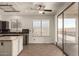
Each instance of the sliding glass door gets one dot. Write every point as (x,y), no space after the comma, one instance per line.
(60,31)
(67,30)
(70,30)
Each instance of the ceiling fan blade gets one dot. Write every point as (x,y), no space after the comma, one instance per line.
(5,5)
(48,10)
(11,11)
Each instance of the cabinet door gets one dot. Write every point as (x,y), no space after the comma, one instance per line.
(1,48)
(14,45)
(5,48)
(17,45)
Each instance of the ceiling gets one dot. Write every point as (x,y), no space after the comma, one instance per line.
(29,7)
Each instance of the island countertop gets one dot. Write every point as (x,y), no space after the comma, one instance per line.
(11,45)
(2,38)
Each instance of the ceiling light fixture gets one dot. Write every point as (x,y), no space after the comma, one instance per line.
(41,12)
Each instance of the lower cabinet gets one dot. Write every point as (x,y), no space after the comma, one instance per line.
(5,48)
(20,43)
(11,46)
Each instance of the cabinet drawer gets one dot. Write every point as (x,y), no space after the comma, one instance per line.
(1,46)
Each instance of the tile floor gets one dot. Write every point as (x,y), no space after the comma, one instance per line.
(41,50)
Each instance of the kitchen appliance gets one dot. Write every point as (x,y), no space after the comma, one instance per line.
(25,37)
(4,26)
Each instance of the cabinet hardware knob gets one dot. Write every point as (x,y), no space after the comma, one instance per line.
(1,43)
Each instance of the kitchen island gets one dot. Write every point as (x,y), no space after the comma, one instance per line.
(11,44)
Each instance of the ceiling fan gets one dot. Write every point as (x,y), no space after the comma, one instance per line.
(41,8)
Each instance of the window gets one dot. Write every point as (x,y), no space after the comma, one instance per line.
(40,27)
(45,27)
(37,27)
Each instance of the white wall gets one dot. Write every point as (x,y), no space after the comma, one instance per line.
(26,21)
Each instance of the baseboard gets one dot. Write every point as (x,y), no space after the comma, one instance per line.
(40,43)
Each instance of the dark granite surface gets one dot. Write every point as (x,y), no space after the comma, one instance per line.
(13,34)
(7,32)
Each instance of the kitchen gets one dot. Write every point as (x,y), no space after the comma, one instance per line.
(38,29)
(16,27)
(11,42)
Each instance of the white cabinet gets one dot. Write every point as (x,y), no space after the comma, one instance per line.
(11,45)
(5,48)
(20,43)
(14,46)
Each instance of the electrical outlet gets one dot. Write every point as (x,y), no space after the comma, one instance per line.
(33,39)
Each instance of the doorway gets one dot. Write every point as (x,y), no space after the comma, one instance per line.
(67,30)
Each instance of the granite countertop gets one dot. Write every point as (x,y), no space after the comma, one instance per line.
(13,34)
(8,38)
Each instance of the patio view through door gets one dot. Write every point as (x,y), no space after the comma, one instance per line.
(67,30)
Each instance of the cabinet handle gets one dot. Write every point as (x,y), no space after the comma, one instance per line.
(2,44)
